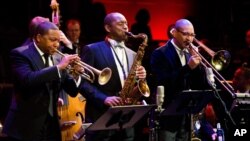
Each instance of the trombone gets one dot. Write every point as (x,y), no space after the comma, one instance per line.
(103,75)
(219,61)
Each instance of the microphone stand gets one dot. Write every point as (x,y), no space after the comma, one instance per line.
(155,124)
(217,95)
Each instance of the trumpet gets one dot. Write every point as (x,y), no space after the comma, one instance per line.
(220,60)
(103,75)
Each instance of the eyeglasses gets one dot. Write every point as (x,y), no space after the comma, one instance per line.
(186,33)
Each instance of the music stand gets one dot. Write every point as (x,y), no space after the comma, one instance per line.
(120,117)
(189,102)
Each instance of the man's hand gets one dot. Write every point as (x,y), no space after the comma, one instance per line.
(76,71)
(140,72)
(79,69)
(68,60)
(113,101)
(194,61)
(65,40)
(60,102)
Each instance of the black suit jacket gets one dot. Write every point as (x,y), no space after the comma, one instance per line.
(168,71)
(76,47)
(99,55)
(32,86)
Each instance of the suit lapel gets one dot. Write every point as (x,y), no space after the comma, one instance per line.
(172,55)
(107,54)
(109,58)
(130,57)
(36,57)
(38,63)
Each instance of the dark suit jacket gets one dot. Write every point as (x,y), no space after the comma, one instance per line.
(77,46)
(33,85)
(99,55)
(169,72)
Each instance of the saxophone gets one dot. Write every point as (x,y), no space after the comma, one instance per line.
(133,89)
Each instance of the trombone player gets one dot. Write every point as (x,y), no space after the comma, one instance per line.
(177,68)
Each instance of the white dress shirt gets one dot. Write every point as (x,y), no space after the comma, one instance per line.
(119,50)
(181,53)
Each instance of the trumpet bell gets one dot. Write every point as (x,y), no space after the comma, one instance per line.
(221,60)
(104,76)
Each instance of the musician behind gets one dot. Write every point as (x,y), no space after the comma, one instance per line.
(39,75)
(241,79)
(241,83)
(238,107)
(73,33)
(111,53)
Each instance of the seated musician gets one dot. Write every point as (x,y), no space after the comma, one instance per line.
(241,79)
(237,110)
(241,84)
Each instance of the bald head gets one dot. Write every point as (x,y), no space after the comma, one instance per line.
(115,24)
(182,23)
(111,17)
(183,33)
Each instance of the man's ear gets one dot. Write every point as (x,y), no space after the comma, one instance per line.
(38,37)
(173,31)
(107,28)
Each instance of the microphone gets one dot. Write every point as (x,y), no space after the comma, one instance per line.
(220,133)
(210,77)
(159,97)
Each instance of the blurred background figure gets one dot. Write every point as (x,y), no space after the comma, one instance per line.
(141,25)
(73,32)
(93,23)
(238,107)
(241,79)
(142,19)
(243,54)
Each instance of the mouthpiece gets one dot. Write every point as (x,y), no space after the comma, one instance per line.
(140,35)
(129,34)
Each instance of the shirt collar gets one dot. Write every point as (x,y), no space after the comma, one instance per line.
(177,48)
(76,42)
(114,43)
(39,51)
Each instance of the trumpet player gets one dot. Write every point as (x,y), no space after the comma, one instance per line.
(112,53)
(66,45)
(177,68)
(39,77)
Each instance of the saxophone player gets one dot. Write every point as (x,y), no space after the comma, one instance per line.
(112,53)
